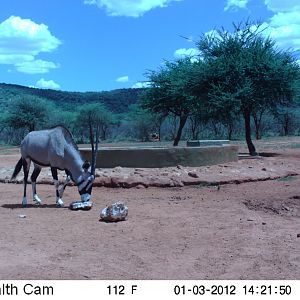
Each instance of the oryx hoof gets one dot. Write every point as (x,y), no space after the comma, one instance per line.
(37,200)
(59,202)
(24,201)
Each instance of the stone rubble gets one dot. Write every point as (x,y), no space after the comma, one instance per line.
(245,170)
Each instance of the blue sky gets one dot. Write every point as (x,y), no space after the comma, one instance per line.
(95,45)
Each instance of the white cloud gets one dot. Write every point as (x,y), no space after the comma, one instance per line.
(122,79)
(36,66)
(129,8)
(21,40)
(182,53)
(47,84)
(140,85)
(282,5)
(213,33)
(11,59)
(285,18)
(235,4)
(284,26)
(287,36)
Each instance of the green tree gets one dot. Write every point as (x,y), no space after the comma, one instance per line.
(3,118)
(257,115)
(29,112)
(91,118)
(62,117)
(246,71)
(97,116)
(169,94)
(286,116)
(142,121)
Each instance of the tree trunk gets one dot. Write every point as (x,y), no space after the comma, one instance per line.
(229,131)
(257,134)
(173,126)
(31,127)
(195,131)
(104,132)
(247,117)
(257,117)
(286,125)
(194,127)
(216,129)
(159,133)
(179,132)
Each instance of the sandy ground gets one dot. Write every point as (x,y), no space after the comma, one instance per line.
(236,231)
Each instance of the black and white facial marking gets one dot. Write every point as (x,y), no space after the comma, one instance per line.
(85,183)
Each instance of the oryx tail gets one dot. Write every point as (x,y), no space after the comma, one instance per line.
(18,168)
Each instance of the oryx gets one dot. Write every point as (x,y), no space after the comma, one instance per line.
(54,148)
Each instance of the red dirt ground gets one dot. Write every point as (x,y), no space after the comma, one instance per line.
(236,231)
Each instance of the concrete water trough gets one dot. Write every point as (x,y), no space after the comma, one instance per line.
(199,143)
(158,157)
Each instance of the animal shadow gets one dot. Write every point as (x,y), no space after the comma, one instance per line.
(18,206)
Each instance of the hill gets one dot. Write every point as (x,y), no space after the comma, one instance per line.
(116,101)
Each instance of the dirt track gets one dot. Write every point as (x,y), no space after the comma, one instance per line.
(244,231)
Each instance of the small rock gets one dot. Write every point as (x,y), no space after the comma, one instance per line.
(193,174)
(285,207)
(117,169)
(264,169)
(180,167)
(177,182)
(263,223)
(22,216)
(114,213)
(140,186)
(250,220)
(298,235)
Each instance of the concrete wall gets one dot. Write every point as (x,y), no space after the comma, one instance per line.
(204,143)
(162,157)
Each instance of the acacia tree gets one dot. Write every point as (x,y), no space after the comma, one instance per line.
(3,118)
(95,116)
(91,117)
(144,122)
(285,116)
(169,95)
(28,112)
(245,70)
(257,116)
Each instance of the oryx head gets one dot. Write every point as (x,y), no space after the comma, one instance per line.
(85,182)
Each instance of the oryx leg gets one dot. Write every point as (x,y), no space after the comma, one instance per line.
(59,191)
(26,166)
(63,187)
(36,172)
(59,201)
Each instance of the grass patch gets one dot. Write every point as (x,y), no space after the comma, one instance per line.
(202,185)
(208,184)
(295,146)
(288,178)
